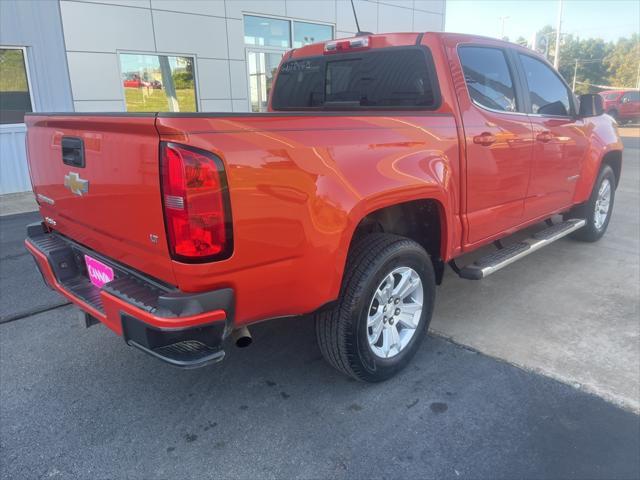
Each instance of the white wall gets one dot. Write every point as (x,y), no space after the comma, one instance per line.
(212,32)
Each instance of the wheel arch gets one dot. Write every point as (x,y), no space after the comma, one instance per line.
(422,220)
(613,158)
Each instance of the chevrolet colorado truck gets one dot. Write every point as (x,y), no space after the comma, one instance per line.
(382,159)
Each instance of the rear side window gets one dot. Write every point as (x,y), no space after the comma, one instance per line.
(387,78)
(547,93)
(488,78)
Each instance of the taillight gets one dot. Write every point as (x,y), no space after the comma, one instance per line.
(196,204)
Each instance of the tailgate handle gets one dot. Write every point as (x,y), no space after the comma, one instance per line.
(73,151)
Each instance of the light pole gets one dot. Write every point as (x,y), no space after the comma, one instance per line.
(575,74)
(556,58)
(502,20)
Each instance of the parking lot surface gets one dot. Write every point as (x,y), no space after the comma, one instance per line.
(79,403)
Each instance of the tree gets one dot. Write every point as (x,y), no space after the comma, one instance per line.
(591,69)
(590,54)
(522,41)
(623,62)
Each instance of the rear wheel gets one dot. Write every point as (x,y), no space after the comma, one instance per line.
(614,114)
(384,310)
(597,210)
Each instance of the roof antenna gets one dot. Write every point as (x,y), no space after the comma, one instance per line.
(355,16)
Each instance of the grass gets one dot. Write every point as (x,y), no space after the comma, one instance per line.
(13,77)
(155,100)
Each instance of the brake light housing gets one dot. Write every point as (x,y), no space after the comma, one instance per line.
(346,45)
(195,200)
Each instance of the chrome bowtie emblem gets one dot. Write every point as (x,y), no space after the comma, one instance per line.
(74,183)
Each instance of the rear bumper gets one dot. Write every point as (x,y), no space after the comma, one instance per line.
(184,329)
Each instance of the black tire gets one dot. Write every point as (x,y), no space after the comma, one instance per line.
(591,232)
(342,329)
(614,114)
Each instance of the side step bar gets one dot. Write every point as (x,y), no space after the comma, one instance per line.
(495,261)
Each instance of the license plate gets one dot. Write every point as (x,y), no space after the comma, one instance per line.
(98,272)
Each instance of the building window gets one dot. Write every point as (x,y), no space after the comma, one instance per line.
(15,95)
(267,32)
(262,68)
(307,33)
(158,83)
(267,39)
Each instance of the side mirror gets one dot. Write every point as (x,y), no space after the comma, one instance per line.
(590,105)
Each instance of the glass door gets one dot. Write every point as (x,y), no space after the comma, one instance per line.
(262,65)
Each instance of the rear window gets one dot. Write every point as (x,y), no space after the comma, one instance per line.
(390,78)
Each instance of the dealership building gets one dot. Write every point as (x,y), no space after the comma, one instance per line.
(157,55)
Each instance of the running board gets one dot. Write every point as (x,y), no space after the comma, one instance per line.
(495,261)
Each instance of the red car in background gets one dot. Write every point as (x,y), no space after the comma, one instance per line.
(623,105)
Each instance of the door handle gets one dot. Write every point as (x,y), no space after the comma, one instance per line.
(544,137)
(485,139)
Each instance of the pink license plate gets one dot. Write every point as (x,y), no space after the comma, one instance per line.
(99,273)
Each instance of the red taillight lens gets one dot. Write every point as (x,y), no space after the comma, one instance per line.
(196,204)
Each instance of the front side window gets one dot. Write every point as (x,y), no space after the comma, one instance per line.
(15,99)
(158,83)
(631,97)
(488,78)
(389,78)
(547,93)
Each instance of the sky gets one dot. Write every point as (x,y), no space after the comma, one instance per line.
(606,19)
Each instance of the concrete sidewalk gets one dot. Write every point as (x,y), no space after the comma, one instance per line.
(13,203)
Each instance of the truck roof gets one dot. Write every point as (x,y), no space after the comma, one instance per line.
(400,39)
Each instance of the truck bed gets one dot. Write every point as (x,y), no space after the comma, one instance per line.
(298,184)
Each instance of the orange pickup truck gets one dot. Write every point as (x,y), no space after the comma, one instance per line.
(383,158)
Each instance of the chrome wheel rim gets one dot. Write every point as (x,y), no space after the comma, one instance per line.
(394,312)
(603,204)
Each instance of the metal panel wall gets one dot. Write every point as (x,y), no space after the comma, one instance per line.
(37,26)
(14,173)
(212,32)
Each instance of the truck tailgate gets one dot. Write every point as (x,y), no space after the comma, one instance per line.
(105,193)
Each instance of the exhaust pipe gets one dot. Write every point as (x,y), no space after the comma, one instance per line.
(241,337)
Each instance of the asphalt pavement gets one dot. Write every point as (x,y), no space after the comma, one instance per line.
(79,403)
